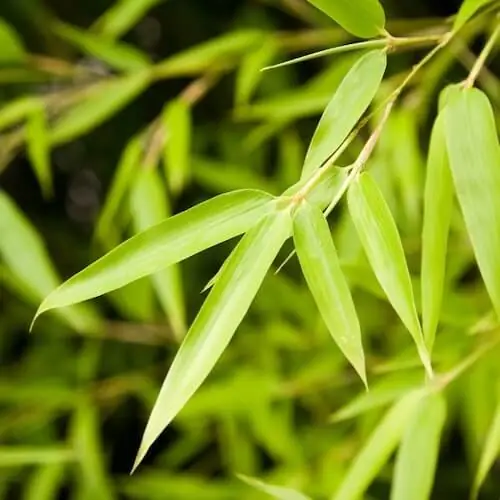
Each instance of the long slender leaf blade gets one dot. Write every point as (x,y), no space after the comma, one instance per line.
(363,18)
(348,104)
(467,10)
(438,203)
(378,448)
(417,456)
(12,47)
(379,236)
(20,456)
(278,492)
(474,154)
(218,319)
(167,243)
(320,264)
(13,112)
(45,483)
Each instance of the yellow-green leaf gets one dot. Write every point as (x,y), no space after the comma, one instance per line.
(274,491)
(474,154)
(321,267)
(418,453)
(21,456)
(348,104)
(11,113)
(167,243)
(45,482)
(467,10)
(380,238)
(12,48)
(363,18)
(218,319)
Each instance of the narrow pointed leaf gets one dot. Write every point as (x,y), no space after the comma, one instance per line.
(467,10)
(218,319)
(417,456)
(12,47)
(363,18)
(21,456)
(167,243)
(46,483)
(474,154)
(15,111)
(320,264)
(350,101)
(438,203)
(378,448)
(380,238)
(104,101)
(278,492)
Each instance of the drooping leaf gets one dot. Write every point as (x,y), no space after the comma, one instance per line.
(321,267)
(20,456)
(167,243)
(104,101)
(218,319)
(13,112)
(177,126)
(417,456)
(149,207)
(278,492)
(363,18)
(117,55)
(467,10)
(38,146)
(438,202)
(474,154)
(12,47)
(380,238)
(348,104)
(378,448)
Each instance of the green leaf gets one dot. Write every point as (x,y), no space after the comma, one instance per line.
(167,243)
(149,207)
(117,55)
(278,492)
(378,448)
(380,238)
(350,101)
(474,154)
(491,451)
(363,18)
(38,147)
(467,10)
(20,456)
(15,111)
(218,319)
(104,100)
(418,453)
(177,125)
(438,203)
(320,264)
(12,47)
(122,16)
(45,483)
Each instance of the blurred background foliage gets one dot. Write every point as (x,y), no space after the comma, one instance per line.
(75,395)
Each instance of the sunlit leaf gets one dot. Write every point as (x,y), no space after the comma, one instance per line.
(104,100)
(438,202)
(218,319)
(167,243)
(348,104)
(15,111)
(380,238)
(177,125)
(418,453)
(20,456)
(12,47)
(320,264)
(46,482)
(378,448)
(278,492)
(363,18)
(474,154)
(467,10)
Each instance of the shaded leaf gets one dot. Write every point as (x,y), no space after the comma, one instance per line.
(417,456)
(12,47)
(320,264)
(474,154)
(467,10)
(218,319)
(380,238)
(348,104)
(278,492)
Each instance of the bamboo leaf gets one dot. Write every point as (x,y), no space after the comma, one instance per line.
(149,207)
(378,448)
(438,203)
(278,492)
(491,451)
(38,147)
(104,101)
(320,264)
(380,238)
(218,319)
(417,456)
(350,101)
(474,154)
(363,18)
(167,243)
(177,126)
(467,10)
(12,47)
